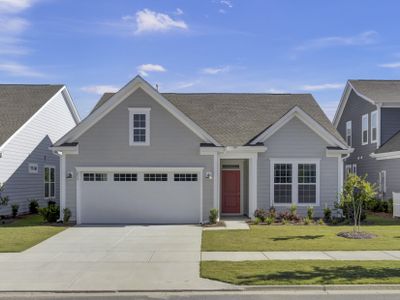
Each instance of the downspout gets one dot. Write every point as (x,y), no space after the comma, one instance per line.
(62,183)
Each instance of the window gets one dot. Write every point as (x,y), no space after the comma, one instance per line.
(382,182)
(94,177)
(49,182)
(155,177)
(283,183)
(348,169)
(185,177)
(364,131)
(139,126)
(33,168)
(354,169)
(307,179)
(125,177)
(295,182)
(349,133)
(374,127)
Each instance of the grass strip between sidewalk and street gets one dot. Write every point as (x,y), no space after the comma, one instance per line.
(305,272)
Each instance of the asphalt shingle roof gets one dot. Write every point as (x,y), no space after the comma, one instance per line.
(19,102)
(378,90)
(393,144)
(234,119)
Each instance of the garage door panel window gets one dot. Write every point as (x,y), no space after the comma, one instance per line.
(49,182)
(94,176)
(155,177)
(185,177)
(125,177)
(295,182)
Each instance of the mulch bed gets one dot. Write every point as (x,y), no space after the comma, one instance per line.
(218,224)
(361,235)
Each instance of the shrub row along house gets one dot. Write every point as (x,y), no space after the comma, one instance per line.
(368,117)
(147,157)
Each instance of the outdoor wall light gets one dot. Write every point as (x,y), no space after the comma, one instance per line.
(69,175)
(209,175)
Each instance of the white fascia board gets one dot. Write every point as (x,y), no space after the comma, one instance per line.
(338,152)
(387,155)
(65,149)
(31,118)
(306,119)
(119,97)
(71,105)
(138,169)
(343,101)
(231,149)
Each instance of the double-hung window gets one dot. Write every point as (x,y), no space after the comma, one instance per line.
(295,182)
(382,182)
(374,126)
(139,126)
(364,129)
(49,182)
(349,133)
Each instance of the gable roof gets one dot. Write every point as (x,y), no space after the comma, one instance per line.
(391,145)
(19,102)
(235,119)
(376,92)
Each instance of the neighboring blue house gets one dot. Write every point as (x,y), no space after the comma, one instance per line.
(32,118)
(368,118)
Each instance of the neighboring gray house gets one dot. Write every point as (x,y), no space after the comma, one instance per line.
(368,117)
(32,118)
(147,157)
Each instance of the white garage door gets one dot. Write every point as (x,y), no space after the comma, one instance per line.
(132,196)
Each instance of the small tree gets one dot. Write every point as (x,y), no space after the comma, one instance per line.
(357,192)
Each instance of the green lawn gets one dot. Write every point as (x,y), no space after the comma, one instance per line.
(303,238)
(302,272)
(25,232)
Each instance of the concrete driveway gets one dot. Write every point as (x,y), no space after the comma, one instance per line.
(110,258)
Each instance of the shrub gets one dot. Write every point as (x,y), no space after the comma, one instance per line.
(213,217)
(327,214)
(310,212)
(288,216)
(51,203)
(272,212)
(67,215)
(285,221)
(33,206)
(293,209)
(390,206)
(50,214)
(261,214)
(256,221)
(307,221)
(14,210)
(321,222)
(269,220)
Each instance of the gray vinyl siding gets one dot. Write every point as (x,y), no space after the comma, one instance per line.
(297,140)
(355,108)
(172,144)
(390,122)
(31,145)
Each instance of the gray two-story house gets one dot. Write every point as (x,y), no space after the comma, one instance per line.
(368,118)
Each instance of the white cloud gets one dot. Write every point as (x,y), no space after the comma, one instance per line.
(227,3)
(275,91)
(393,65)
(14,6)
(178,12)
(330,108)
(13,25)
(150,21)
(17,69)
(145,69)
(364,38)
(100,89)
(216,70)
(321,87)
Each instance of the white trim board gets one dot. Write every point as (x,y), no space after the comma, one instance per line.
(119,97)
(306,119)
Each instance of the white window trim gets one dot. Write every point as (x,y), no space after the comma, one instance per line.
(348,169)
(382,185)
(139,110)
(295,185)
(354,169)
(374,113)
(33,165)
(349,125)
(364,129)
(44,182)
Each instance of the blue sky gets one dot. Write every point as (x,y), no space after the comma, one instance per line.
(94,46)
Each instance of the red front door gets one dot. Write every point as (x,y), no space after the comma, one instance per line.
(230,186)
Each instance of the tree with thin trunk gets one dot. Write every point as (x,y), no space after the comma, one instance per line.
(357,192)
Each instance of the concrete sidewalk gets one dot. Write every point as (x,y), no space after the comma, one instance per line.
(301,255)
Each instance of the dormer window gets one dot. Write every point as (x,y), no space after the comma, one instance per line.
(139,126)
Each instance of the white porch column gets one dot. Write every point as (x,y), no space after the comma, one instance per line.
(253,184)
(216,190)
(62,186)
